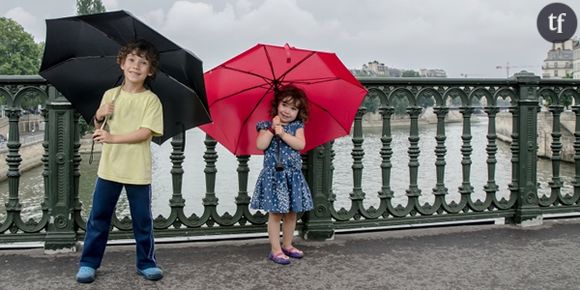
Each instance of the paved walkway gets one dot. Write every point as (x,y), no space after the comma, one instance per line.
(463,257)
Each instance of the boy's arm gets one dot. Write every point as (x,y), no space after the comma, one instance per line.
(106,109)
(136,136)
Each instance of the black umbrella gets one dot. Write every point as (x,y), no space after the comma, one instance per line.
(80,61)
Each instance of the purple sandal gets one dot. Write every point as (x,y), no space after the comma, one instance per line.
(293,252)
(279,258)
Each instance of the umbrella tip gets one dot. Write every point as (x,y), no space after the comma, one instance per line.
(287,49)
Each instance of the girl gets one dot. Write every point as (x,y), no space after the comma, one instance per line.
(281,189)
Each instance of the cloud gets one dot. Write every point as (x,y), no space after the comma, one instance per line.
(29,22)
(460,36)
(217,35)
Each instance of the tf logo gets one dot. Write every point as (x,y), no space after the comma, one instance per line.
(557,22)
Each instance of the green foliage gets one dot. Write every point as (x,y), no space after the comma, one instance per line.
(400,105)
(426,102)
(84,127)
(371,103)
(20,54)
(410,74)
(85,7)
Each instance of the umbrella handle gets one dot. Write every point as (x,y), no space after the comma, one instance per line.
(103,124)
(113,101)
(287,50)
(279,164)
(91,155)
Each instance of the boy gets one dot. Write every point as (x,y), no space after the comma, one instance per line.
(132,114)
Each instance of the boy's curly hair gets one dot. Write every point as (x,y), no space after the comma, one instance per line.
(142,48)
(296,95)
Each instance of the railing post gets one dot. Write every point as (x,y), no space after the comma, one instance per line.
(528,212)
(317,223)
(60,235)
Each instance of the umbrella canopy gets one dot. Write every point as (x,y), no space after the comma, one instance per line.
(80,61)
(240,92)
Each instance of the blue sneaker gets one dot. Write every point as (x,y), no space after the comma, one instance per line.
(152,273)
(86,274)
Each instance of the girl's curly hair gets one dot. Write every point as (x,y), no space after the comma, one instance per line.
(296,95)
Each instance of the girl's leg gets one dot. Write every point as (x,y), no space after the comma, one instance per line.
(104,201)
(274,231)
(288,227)
(139,197)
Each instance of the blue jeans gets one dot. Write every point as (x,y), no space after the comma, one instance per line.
(105,200)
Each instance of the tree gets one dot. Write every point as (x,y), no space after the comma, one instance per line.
(20,54)
(371,104)
(85,7)
(410,73)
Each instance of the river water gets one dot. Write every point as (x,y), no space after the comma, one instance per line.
(32,188)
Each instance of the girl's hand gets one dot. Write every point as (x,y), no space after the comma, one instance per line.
(102,136)
(276,121)
(277,126)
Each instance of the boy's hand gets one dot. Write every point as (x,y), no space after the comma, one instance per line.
(102,136)
(105,110)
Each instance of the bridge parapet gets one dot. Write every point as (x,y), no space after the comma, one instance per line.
(62,223)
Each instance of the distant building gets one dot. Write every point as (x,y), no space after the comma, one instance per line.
(377,69)
(576,61)
(560,59)
(372,69)
(432,73)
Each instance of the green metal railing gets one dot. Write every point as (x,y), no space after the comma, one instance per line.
(62,224)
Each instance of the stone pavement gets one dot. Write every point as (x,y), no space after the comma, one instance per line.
(458,257)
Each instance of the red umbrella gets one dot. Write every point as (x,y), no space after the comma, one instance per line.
(240,91)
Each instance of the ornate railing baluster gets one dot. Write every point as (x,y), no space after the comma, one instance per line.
(466,189)
(243,199)
(13,160)
(556,157)
(177,202)
(491,187)
(413,192)
(210,201)
(386,194)
(576,181)
(357,195)
(440,151)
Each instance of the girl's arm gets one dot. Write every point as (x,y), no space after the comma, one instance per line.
(297,142)
(264,138)
(136,136)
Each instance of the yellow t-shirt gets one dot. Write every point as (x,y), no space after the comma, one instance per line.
(130,163)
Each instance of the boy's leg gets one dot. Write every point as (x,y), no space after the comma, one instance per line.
(139,197)
(104,201)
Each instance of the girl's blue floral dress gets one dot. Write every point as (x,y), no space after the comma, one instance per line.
(282,191)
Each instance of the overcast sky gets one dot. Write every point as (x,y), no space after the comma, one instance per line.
(463,37)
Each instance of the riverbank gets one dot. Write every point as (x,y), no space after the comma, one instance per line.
(31,155)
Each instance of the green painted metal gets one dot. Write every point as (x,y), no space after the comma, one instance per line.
(317,224)
(62,223)
(62,182)
(527,207)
